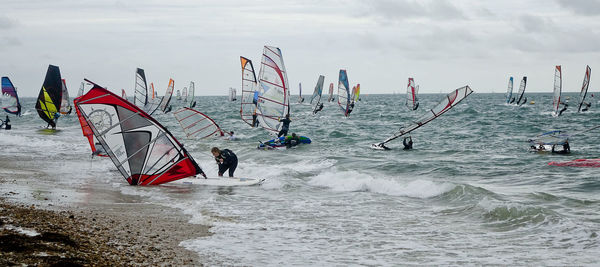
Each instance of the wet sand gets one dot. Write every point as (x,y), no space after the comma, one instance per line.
(109,228)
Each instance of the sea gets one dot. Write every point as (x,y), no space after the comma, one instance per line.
(469,193)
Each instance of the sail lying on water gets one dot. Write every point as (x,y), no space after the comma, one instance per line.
(197,124)
(412,102)
(447,103)
(143,151)
(50,96)
(330,93)
(166,99)
(65,104)
(509,90)
(273,98)
(192,93)
(556,101)
(584,87)
(343,92)
(249,93)
(522,90)
(10,98)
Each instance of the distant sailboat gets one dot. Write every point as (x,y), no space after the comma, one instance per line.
(123,94)
(10,99)
(232,94)
(584,89)
(65,104)
(556,101)
(50,96)
(317,94)
(192,93)
(81,88)
(300,98)
(178,97)
(331,97)
(184,94)
(412,102)
(509,90)
(520,99)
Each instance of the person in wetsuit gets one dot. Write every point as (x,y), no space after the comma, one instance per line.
(564,108)
(7,125)
(586,106)
(285,127)
(408,143)
(292,141)
(226,159)
(319,108)
(350,108)
(566,148)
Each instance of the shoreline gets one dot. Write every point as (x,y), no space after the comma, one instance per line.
(44,223)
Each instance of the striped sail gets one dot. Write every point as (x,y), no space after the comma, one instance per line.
(557,90)
(140,94)
(196,124)
(273,98)
(411,95)
(343,92)
(166,99)
(49,98)
(249,85)
(584,87)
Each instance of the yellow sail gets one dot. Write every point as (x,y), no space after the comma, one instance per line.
(47,105)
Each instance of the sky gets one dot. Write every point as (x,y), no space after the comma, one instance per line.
(442,44)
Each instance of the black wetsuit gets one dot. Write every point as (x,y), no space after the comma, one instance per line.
(230,161)
(566,149)
(350,108)
(7,124)
(285,127)
(563,109)
(318,108)
(292,141)
(407,145)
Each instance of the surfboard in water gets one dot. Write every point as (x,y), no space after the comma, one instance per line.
(249,93)
(584,87)
(509,90)
(143,151)
(557,91)
(166,99)
(192,93)
(330,98)
(196,124)
(447,103)
(50,96)
(412,102)
(10,98)
(343,92)
(273,97)
(521,90)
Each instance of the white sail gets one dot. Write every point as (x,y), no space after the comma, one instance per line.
(330,98)
(184,94)
(509,90)
(447,103)
(65,104)
(80,92)
(557,90)
(232,94)
(584,87)
(317,93)
(249,93)
(140,95)
(166,99)
(192,94)
(273,99)
(196,124)
(412,102)
(521,89)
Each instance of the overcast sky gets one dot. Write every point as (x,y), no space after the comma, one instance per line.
(442,44)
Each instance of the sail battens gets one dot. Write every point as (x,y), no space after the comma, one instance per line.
(10,98)
(556,101)
(197,124)
(50,96)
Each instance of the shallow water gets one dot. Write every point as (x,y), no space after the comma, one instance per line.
(468,193)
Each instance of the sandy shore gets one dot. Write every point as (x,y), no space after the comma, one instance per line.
(109,228)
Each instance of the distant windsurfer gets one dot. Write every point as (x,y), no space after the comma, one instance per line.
(226,159)
(586,106)
(565,105)
(70,109)
(512,100)
(169,108)
(523,102)
(408,143)
(100,151)
(350,108)
(193,104)
(319,108)
(285,125)
(7,125)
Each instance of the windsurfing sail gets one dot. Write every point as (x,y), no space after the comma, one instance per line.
(412,102)
(192,93)
(273,98)
(509,90)
(357,94)
(81,88)
(153,93)
(447,103)
(318,90)
(140,95)
(197,124)
(343,92)
(49,99)
(550,138)
(184,94)
(164,102)
(249,85)
(178,94)
(557,90)
(521,89)
(65,105)
(330,93)
(300,98)
(584,87)
(232,94)
(143,151)
(10,99)
(87,131)
(123,94)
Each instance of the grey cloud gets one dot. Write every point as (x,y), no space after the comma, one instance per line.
(390,10)
(582,7)
(6,23)
(10,41)
(535,24)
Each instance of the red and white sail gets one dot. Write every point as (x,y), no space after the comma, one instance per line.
(556,101)
(196,124)
(249,93)
(584,87)
(273,97)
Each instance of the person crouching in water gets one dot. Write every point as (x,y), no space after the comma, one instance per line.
(226,160)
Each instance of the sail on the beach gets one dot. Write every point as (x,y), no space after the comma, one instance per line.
(557,91)
(447,103)
(584,87)
(521,89)
(509,90)
(143,151)
(273,98)
(10,98)
(249,93)
(197,124)
(412,102)
(65,104)
(343,92)
(50,96)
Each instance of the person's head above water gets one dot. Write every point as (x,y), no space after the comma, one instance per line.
(215,151)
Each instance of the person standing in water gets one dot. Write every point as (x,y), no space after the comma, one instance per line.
(285,127)
(226,160)
(7,125)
